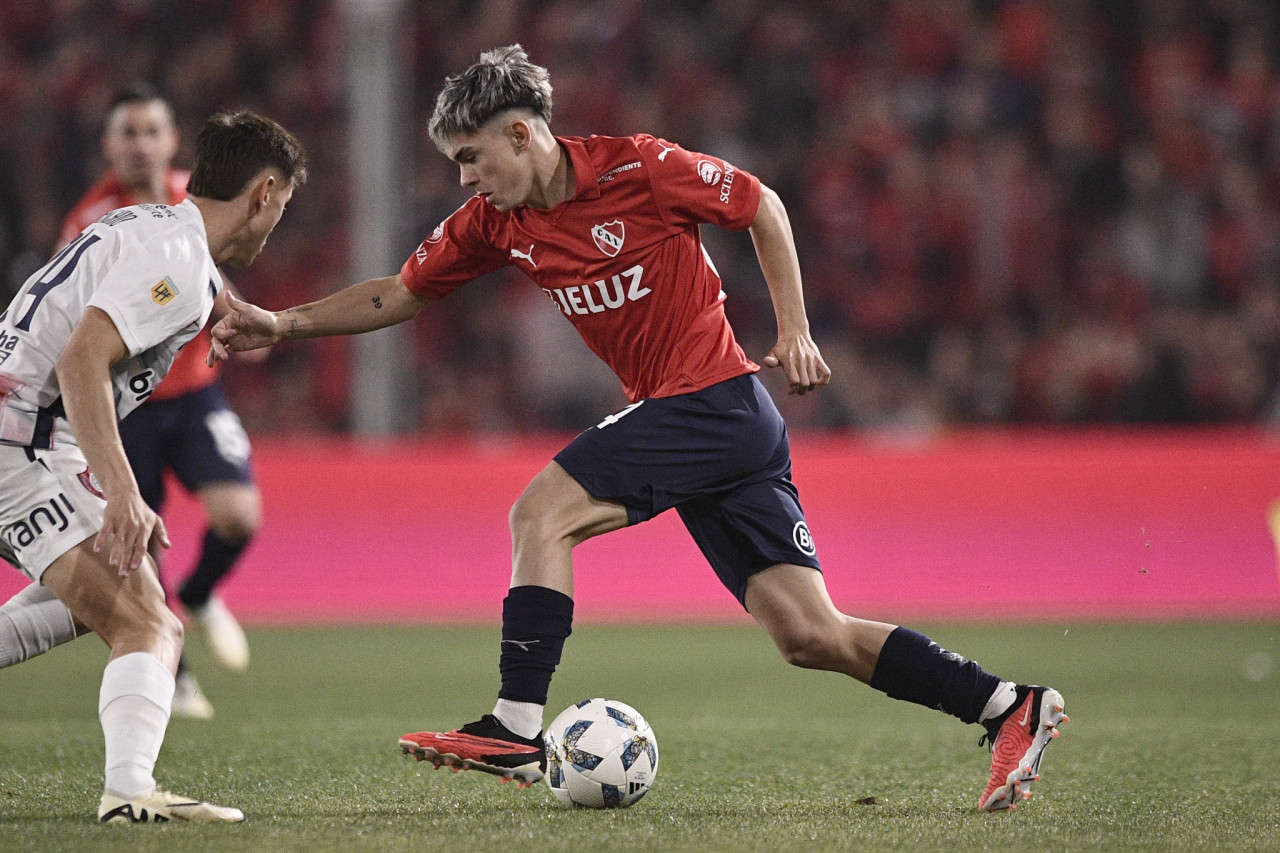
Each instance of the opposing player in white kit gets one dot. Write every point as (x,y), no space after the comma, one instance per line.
(84,342)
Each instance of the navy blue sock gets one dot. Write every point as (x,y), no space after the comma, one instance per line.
(535,623)
(217,556)
(915,669)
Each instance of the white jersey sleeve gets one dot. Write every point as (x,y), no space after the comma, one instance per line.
(142,295)
(148,268)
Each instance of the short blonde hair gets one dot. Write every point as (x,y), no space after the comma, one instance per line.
(502,80)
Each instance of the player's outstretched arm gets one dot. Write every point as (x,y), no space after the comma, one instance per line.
(795,352)
(84,377)
(362,307)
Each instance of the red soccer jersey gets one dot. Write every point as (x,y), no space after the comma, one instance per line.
(189,372)
(622,259)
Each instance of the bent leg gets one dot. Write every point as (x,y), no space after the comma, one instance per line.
(234,510)
(553,515)
(792,604)
(145,637)
(128,613)
(235,515)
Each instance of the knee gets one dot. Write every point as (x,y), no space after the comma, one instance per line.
(148,622)
(527,518)
(235,512)
(808,647)
(236,529)
(169,628)
(160,622)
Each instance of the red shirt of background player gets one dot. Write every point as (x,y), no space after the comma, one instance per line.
(622,259)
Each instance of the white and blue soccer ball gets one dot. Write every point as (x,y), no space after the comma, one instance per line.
(601,754)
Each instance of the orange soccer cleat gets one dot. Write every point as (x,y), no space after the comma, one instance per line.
(1018,740)
(485,745)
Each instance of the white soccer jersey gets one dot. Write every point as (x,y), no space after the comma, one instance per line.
(148,267)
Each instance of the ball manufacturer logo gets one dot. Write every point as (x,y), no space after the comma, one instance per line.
(709,172)
(804,541)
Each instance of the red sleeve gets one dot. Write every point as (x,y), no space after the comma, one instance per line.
(69,231)
(697,188)
(455,253)
(78,219)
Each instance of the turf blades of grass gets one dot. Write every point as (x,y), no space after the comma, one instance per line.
(1171,746)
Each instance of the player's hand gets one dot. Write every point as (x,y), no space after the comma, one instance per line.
(244,327)
(128,526)
(800,359)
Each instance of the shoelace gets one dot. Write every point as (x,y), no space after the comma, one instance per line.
(988,738)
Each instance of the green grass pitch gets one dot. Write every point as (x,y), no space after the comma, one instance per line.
(1173,744)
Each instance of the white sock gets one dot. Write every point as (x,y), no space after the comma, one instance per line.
(1001,700)
(137,692)
(523,718)
(31,623)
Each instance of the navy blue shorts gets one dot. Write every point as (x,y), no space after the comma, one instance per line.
(196,435)
(720,456)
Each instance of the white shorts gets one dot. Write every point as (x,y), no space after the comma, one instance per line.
(49,504)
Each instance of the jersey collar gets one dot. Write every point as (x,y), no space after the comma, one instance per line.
(584,172)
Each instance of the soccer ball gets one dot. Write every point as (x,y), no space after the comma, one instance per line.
(600,754)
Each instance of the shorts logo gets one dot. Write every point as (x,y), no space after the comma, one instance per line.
(90,482)
(609,237)
(52,515)
(804,541)
(709,172)
(164,291)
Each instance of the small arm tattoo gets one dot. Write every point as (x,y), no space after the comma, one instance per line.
(377,302)
(293,320)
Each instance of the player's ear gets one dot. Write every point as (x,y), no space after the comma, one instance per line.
(520,134)
(260,190)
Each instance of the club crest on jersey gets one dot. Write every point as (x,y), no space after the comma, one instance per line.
(609,237)
(437,234)
(164,291)
(90,482)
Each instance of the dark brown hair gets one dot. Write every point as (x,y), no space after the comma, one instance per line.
(233,147)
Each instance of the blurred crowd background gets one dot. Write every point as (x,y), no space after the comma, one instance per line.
(1026,212)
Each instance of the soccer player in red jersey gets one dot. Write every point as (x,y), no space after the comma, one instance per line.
(187,425)
(608,228)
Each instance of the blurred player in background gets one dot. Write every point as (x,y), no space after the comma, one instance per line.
(187,426)
(608,227)
(85,341)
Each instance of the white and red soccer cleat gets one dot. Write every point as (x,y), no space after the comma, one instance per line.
(1018,740)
